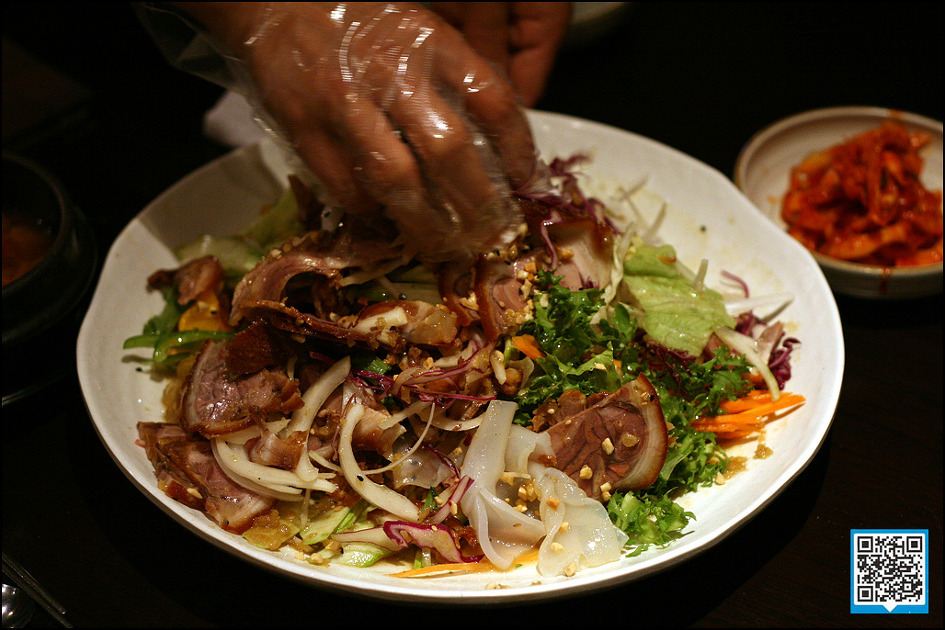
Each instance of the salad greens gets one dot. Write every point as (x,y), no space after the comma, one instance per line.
(657,323)
(676,311)
(160,332)
(601,356)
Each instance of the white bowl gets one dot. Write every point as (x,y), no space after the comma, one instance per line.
(763,170)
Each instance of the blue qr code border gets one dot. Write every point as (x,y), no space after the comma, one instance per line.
(878,608)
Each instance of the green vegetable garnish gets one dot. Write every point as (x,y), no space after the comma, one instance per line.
(160,333)
(603,356)
(674,312)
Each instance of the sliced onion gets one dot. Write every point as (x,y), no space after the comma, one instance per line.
(748,347)
(245,435)
(497,361)
(265,479)
(313,399)
(459,489)
(405,456)
(776,301)
(737,280)
(376,494)
(649,236)
(698,282)
(437,537)
(316,395)
(396,535)
(400,416)
(371,535)
(319,458)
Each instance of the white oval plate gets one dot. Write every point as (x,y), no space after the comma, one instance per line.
(708,218)
(763,171)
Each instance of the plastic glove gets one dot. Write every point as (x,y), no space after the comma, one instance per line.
(391,110)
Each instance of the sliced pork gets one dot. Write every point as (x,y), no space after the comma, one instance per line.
(328,257)
(617,442)
(215,400)
(193,278)
(187,471)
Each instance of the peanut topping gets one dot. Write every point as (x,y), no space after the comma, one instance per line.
(629,439)
(607,446)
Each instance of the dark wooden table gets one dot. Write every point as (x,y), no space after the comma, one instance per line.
(118,126)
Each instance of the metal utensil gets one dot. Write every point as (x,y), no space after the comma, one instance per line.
(32,590)
(17,607)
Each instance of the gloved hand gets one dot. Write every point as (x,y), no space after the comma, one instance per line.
(390,109)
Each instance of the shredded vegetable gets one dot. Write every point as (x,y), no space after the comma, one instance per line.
(863,200)
(747,415)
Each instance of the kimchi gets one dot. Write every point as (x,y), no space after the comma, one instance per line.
(863,200)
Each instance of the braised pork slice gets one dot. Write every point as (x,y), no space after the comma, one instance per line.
(393,324)
(215,400)
(326,257)
(617,442)
(271,450)
(188,472)
(192,278)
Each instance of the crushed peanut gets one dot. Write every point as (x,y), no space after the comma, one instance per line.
(607,446)
(605,491)
(586,472)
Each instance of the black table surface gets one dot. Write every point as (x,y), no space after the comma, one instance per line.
(118,126)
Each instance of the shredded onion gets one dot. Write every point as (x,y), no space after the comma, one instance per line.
(400,416)
(698,282)
(316,395)
(319,458)
(313,399)
(777,301)
(459,489)
(238,467)
(245,435)
(747,347)
(411,451)
(376,494)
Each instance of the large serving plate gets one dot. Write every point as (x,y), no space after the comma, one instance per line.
(707,217)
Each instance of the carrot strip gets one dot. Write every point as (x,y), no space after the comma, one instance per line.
(527,345)
(759,406)
(452,567)
(751,400)
(746,415)
(465,567)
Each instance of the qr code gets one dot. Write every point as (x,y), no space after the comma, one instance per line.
(889,570)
